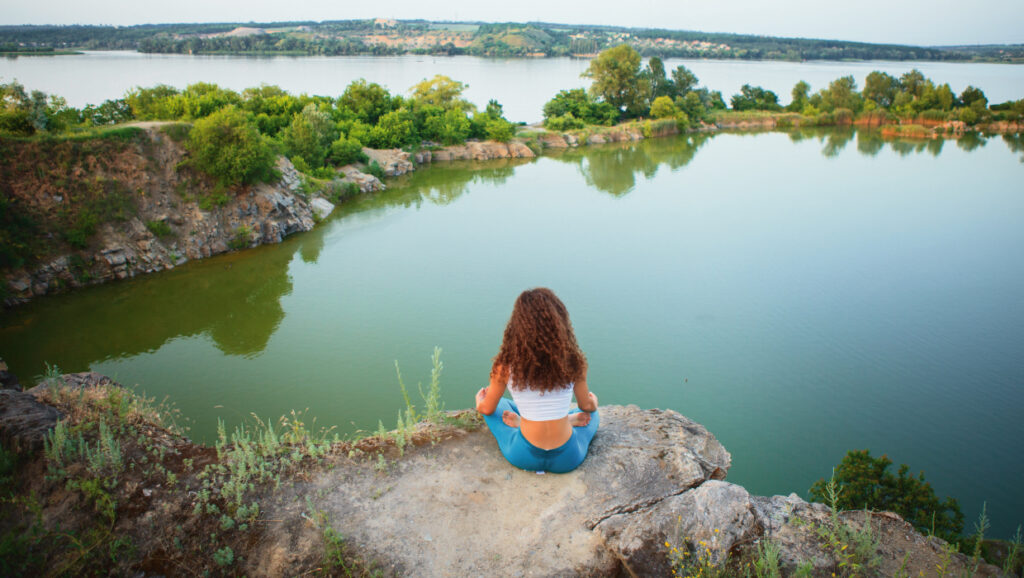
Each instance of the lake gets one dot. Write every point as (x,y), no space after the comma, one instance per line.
(521,85)
(800,294)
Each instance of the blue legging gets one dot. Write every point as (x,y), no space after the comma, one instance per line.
(523,454)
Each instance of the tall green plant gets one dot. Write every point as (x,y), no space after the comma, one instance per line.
(865,482)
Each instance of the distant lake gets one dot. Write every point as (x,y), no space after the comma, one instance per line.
(800,294)
(521,85)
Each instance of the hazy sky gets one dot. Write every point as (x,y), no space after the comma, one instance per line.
(924,22)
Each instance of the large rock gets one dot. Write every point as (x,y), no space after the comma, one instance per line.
(24,422)
(458,508)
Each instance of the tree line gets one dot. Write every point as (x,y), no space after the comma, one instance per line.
(236,136)
(624,89)
(501,39)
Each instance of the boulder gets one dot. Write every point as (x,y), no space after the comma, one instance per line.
(439,510)
(24,422)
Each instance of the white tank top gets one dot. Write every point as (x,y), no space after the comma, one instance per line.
(542,405)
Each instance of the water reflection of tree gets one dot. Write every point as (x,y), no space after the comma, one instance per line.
(442,184)
(234,299)
(971,141)
(1015,142)
(613,168)
(870,141)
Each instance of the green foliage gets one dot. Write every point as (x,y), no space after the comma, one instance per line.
(395,129)
(159,228)
(94,202)
(576,108)
(310,135)
(368,101)
(227,146)
(755,98)
(178,131)
(447,127)
(443,92)
(224,556)
(865,482)
(375,169)
(241,238)
(663,107)
(345,151)
(19,234)
(615,73)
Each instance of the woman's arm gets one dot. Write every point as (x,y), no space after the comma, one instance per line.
(488,397)
(585,399)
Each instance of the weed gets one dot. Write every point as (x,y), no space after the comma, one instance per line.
(375,169)
(1010,564)
(241,239)
(766,565)
(979,537)
(853,550)
(224,557)
(159,228)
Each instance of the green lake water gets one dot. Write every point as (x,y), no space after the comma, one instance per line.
(800,294)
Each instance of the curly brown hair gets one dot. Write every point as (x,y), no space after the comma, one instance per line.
(539,350)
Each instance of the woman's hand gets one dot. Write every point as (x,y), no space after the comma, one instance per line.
(593,401)
(480,396)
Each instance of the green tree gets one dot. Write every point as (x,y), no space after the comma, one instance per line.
(842,93)
(799,97)
(972,95)
(658,83)
(663,107)
(310,135)
(228,147)
(442,91)
(616,73)
(865,482)
(692,105)
(755,98)
(581,106)
(367,100)
(683,80)
(346,150)
(395,129)
(881,88)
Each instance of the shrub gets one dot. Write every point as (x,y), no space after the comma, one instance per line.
(663,107)
(565,122)
(226,146)
(347,150)
(865,482)
(499,130)
(159,228)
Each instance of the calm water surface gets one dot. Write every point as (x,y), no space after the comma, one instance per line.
(799,294)
(521,85)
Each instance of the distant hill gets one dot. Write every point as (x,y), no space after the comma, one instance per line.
(531,39)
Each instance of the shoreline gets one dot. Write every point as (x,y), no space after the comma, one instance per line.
(269,213)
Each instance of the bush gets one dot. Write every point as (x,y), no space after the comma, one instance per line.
(663,107)
(865,482)
(499,130)
(159,228)
(346,150)
(565,122)
(226,146)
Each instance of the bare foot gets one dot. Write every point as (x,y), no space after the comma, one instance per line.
(510,418)
(579,419)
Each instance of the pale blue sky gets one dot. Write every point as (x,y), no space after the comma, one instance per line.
(921,22)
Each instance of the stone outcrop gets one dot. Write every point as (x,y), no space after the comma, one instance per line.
(263,213)
(24,421)
(476,151)
(452,505)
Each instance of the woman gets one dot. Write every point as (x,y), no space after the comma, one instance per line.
(542,367)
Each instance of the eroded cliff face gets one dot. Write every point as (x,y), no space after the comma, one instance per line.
(107,211)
